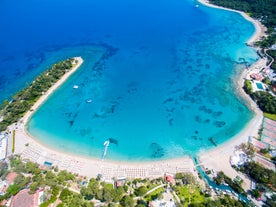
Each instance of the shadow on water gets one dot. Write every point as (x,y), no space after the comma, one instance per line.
(113,141)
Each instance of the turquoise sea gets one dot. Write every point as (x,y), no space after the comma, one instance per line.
(158,74)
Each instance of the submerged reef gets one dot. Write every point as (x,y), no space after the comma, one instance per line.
(156,150)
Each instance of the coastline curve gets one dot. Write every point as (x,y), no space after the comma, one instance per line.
(95,166)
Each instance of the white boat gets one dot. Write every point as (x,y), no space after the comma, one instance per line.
(75,86)
(88,101)
(197,6)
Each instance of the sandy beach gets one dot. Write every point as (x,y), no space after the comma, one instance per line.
(30,149)
(217,158)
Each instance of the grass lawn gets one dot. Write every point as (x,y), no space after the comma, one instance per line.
(189,193)
(270,116)
(154,194)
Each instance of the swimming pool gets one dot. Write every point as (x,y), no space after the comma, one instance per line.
(260,86)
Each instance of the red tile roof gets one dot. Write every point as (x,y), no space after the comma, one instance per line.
(118,183)
(169,178)
(11,177)
(24,199)
(3,202)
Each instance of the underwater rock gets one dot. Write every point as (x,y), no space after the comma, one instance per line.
(69,114)
(198,119)
(205,109)
(194,137)
(201,108)
(132,87)
(75,115)
(99,115)
(168,100)
(132,90)
(219,124)
(112,109)
(170,110)
(240,109)
(157,150)
(71,123)
(171,121)
(217,114)
(208,111)
(84,132)
(211,139)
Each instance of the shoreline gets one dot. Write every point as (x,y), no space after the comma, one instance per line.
(30,148)
(219,157)
(259,28)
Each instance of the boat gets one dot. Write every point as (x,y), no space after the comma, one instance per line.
(106,144)
(197,6)
(75,86)
(88,101)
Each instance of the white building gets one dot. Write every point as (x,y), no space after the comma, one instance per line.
(3,187)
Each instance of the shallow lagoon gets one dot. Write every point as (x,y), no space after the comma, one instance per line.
(159,74)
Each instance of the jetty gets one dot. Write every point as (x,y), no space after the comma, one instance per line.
(106,144)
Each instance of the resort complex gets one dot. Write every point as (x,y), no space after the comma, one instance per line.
(234,166)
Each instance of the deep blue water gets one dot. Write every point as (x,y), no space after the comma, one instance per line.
(159,73)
